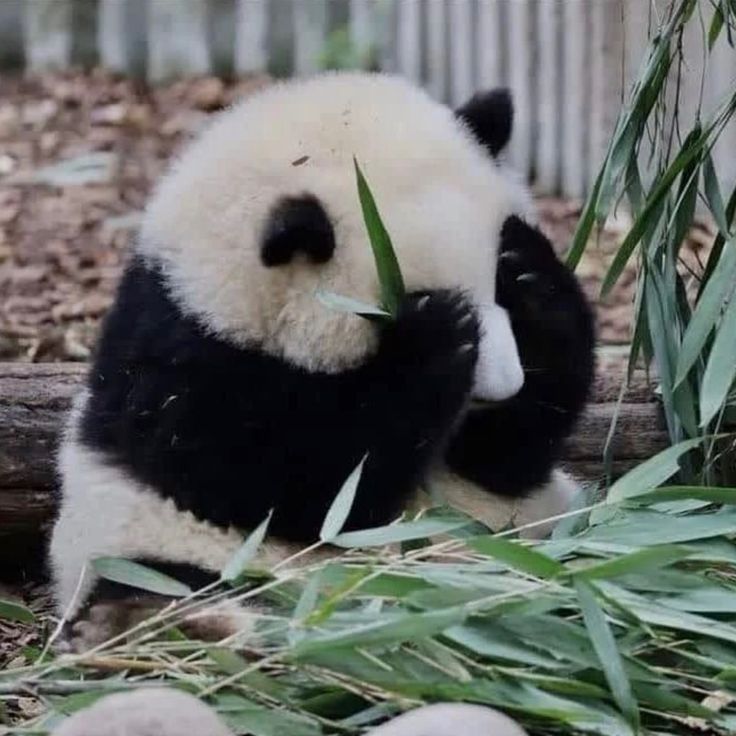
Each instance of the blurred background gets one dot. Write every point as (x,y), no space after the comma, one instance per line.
(96,95)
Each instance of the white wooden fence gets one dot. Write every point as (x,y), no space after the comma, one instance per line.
(567,61)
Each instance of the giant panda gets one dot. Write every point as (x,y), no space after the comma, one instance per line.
(223,388)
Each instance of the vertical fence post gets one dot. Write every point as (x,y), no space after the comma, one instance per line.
(48,34)
(112,34)
(11,33)
(310,35)
(177,38)
(573,111)
(606,68)
(461,51)
(488,42)
(549,97)
(251,32)
(437,49)
(519,35)
(409,49)
(362,29)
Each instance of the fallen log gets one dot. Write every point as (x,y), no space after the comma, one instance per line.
(34,399)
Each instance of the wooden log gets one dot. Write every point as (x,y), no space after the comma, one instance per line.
(34,399)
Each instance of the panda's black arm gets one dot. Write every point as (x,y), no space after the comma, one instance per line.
(229,433)
(510,448)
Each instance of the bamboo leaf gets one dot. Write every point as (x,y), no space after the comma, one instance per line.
(389,273)
(691,148)
(387,630)
(401,532)
(707,312)
(609,656)
(651,558)
(238,562)
(716,25)
(714,258)
(703,493)
(720,372)
(713,195)
(518,556)
(12,611)
(340,303)
(339,511)
(651,473)
(135,575)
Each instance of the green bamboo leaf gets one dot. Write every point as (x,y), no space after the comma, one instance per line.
(720,371)
(642,560)
(691,149)
(340,303)
(401,532)
(244,716)
(12,611)
(714,258)
(127,572)
(584,227)
(339,511)
(716,25)
(237,564)
(703,493)
(639,528)
(707,312)
(389,273)
(713,195)
(490,640)
(651,473)
(656,614)
(518,556)
(609,656)
(391,629)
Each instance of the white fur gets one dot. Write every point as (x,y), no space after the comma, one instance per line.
(145,712)
(443,200)
(499,374)
(104,512)
(501,512)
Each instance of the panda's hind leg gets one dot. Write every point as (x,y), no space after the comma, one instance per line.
(117,612)
(537,513)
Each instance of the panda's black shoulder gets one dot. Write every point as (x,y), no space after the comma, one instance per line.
(146,323)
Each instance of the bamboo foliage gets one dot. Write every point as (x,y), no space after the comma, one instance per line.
(663,166)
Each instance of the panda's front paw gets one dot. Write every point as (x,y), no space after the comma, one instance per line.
(438,331)
(530,276)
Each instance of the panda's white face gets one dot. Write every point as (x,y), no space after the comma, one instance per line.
(441,195)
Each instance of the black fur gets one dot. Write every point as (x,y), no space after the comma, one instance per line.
(297,225)
(511,447)
(490,116)
(229,433)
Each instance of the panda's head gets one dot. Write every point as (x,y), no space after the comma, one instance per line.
(262,210)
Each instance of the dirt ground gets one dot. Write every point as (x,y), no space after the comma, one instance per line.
(78,156)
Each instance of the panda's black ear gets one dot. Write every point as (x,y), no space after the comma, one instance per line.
(490,117)
(297,225)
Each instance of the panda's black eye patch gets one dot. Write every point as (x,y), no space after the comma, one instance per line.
(297,225)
